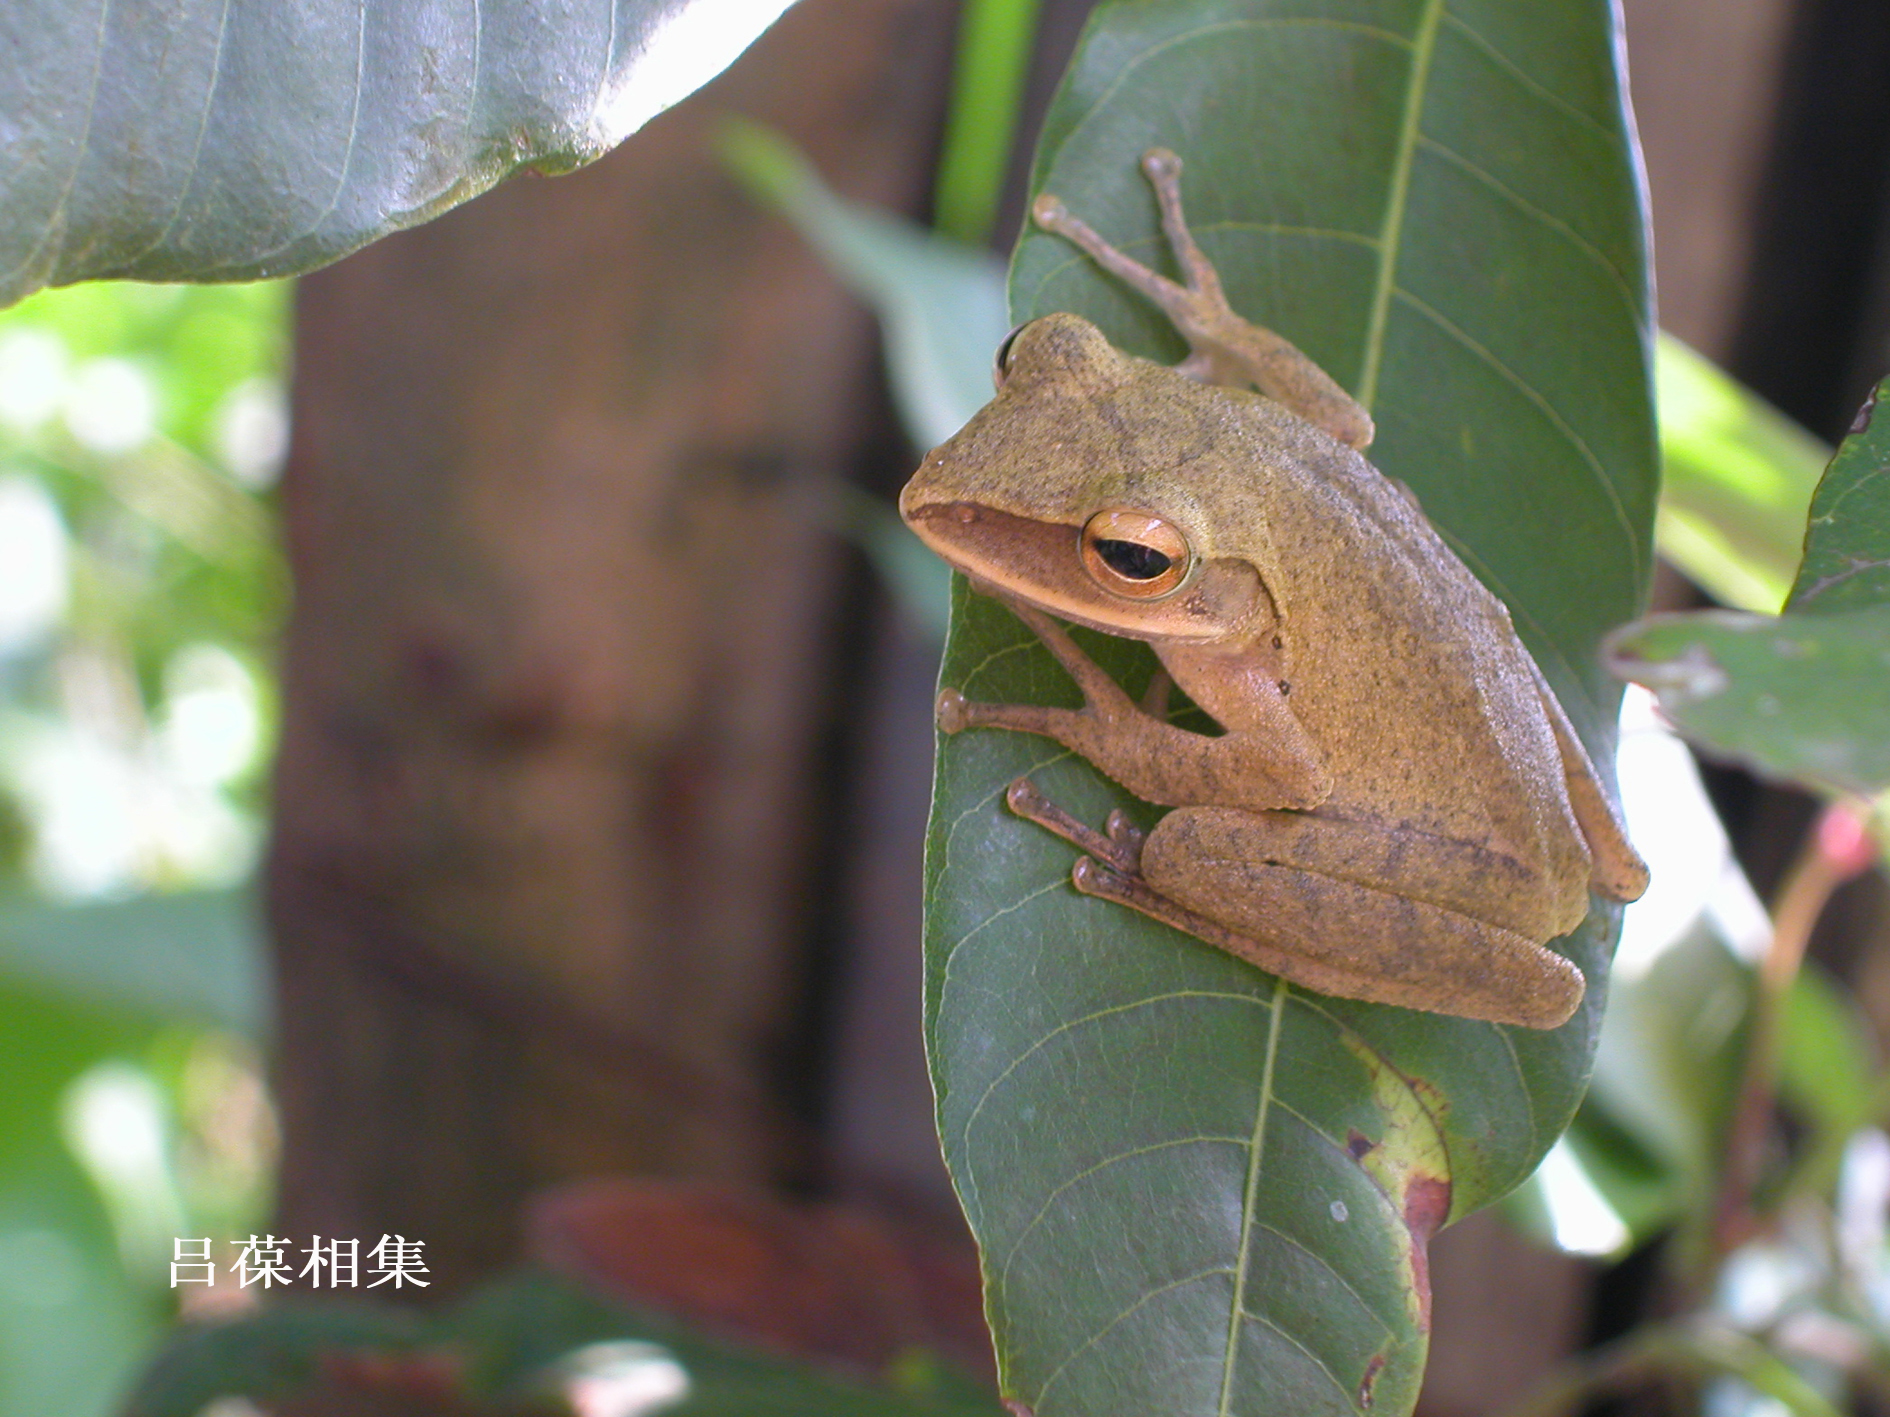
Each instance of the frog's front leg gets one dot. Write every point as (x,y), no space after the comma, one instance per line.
(1227,349)
(1151,757)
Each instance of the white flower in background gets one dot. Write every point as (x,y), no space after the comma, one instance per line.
(111,405)
(252,432)
(211,724)
(110,816)
(32,377)
(33,571)
(81,796)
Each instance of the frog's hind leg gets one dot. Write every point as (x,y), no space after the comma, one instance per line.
(1459,966)
(1106,882)
(1227,349)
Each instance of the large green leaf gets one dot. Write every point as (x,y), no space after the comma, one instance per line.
(229,139)
(1804,695)
(1197,1190)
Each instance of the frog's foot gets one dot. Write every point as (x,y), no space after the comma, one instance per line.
(1226,348)
(1119,843)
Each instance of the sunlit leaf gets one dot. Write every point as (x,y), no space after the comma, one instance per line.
(1847,541)
(1804,695)
(1737,477)
(230,139)
(1197,1191)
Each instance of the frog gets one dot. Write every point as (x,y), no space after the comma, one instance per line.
(1389,803)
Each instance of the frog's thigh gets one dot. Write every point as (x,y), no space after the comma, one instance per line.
(1260,875)
(1459,876)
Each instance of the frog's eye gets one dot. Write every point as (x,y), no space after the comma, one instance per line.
(1136,554)
(1000,362)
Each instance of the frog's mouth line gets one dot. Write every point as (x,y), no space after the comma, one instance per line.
(1040,562)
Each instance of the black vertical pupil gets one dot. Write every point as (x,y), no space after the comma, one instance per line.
(1132,559)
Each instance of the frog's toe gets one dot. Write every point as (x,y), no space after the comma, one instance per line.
(951,711)
(1160,163)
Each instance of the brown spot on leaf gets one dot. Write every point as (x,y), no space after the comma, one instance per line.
(1426,1208)
(1426,1205)
(1358,1143)
(1366,1383)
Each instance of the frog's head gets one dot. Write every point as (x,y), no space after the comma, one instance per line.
(1075,489)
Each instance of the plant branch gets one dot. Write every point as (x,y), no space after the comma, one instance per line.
(1837,848)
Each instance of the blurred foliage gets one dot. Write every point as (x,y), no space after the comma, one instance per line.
(1737,477)
(529,1345)
(141,589)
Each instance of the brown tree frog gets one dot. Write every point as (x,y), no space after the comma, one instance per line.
(1396,808)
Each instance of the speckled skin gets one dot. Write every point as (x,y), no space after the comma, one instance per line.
(1398,810)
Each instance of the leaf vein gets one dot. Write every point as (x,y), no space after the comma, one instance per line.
(1103,1332)
(1391,235)
(1083,1175)
(1528,81)
(196,149)
(1548,411)
(1250,1200)
(347,152)
(1544,218)
(58,212)
(1318,1362)
(1331,1269)
(1070,1025)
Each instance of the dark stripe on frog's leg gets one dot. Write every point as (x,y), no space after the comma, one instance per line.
(1460,876)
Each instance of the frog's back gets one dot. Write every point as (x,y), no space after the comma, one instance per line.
(1404,668)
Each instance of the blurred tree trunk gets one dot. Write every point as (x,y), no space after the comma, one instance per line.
(546,808)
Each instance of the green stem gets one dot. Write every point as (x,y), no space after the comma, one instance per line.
(1807,887)
(995,38)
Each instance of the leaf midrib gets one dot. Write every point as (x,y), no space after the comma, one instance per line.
(1249,1200)
(1423,44)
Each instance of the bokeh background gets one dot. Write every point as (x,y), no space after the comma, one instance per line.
(564,819)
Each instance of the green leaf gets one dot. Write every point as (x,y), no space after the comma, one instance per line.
(1737,478)
(1804,695)
(1827,1063)
(1847,542)
(519,1346)
(230,139)
(1198,1191)
(194,956)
